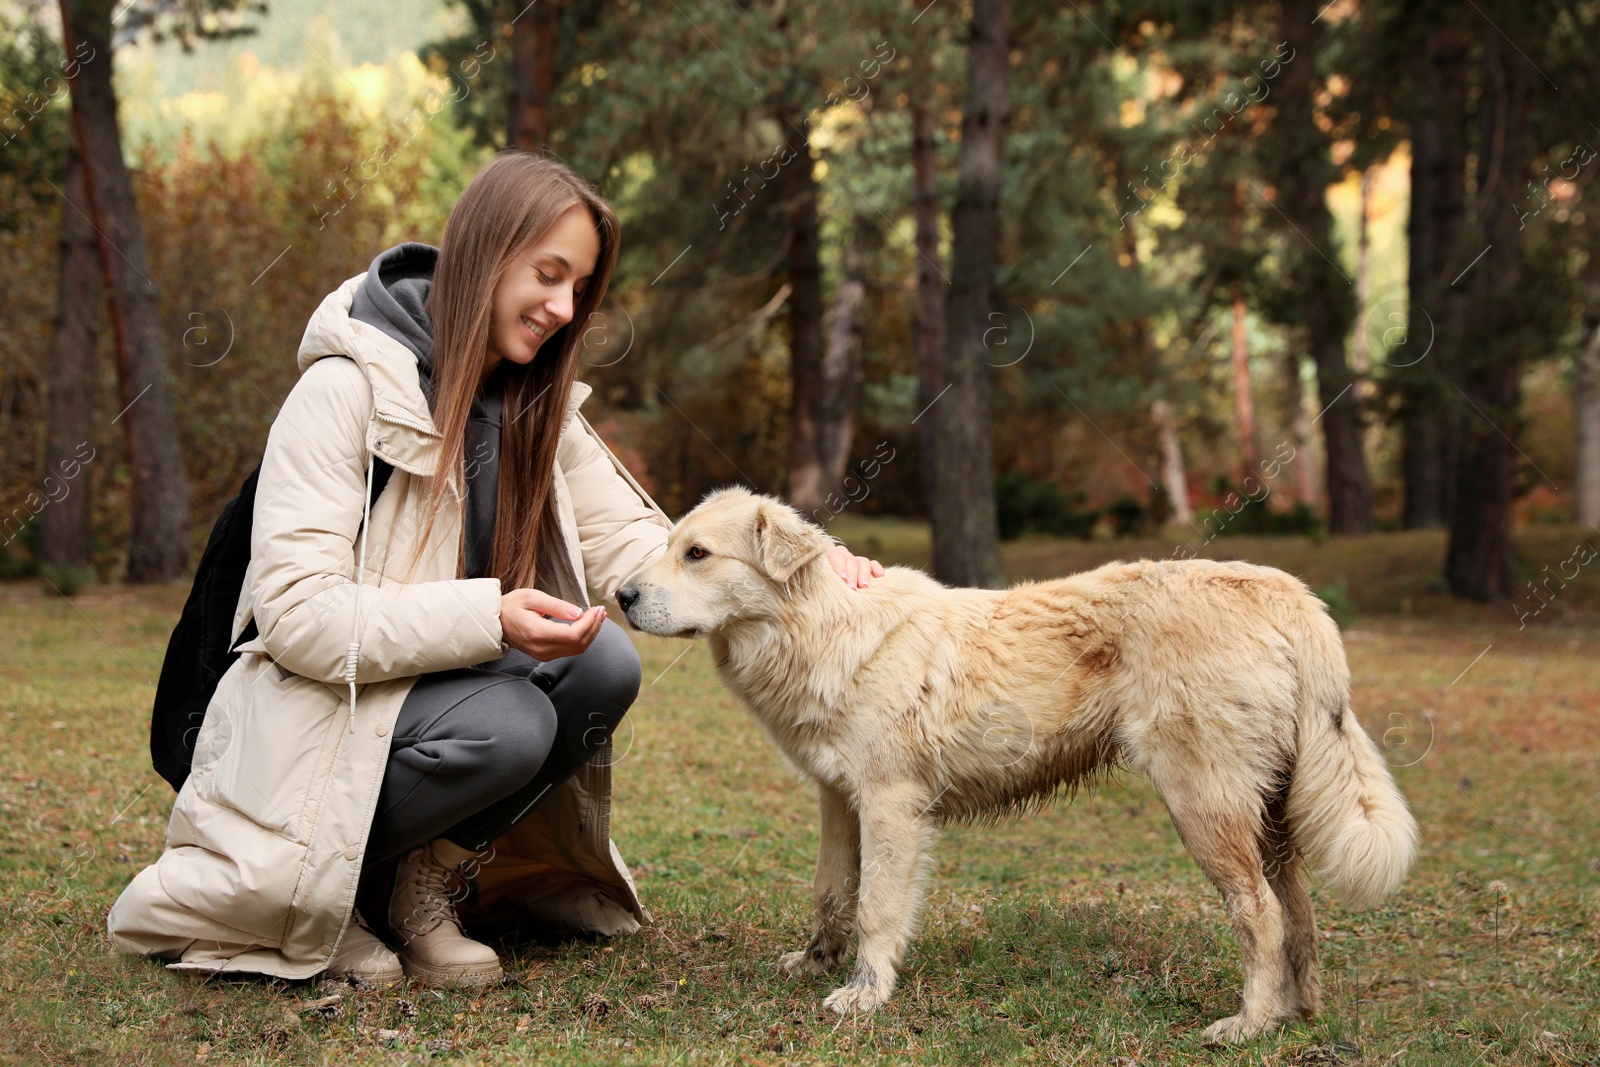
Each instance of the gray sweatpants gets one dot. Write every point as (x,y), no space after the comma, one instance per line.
(475,749)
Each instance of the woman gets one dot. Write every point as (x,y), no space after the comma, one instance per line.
(429,688)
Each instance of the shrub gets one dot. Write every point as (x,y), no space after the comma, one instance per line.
(68,581)
(1257,519)
(1127,516)
(19,555)
(1024,504)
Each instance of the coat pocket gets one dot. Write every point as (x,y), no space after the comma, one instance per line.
(281,731)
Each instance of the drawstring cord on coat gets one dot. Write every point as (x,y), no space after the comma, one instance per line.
(352,652)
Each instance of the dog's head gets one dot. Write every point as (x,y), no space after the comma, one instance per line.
(727,560)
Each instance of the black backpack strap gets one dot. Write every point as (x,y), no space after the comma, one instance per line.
(381,470)
(248,634)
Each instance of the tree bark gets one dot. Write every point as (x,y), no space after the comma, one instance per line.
(1244,398)
(1437,214)
(1324,290)
(841,360)
(929,324)
(1305,469)
(65,531)
(533,75)
(966,539)
(1173,475)
(1586,403)
(158,540)
(1479,554)
(1360,358)
(805,324)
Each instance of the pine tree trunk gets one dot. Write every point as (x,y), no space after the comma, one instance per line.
(65,525)
(1438,211)
(841,360)
(1244,398)
(158,541)
(966,539)
(929,325)
(533,57)
(1479,554)
(805,325)
(1360,358)
(1305,467)
(1173,475)
(1325,292)
(1586,405)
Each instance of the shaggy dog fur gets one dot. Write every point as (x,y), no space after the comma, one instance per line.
(912,705)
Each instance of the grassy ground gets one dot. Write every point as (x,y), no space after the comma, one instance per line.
(1083,935)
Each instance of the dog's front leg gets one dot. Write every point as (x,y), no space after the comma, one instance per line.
(838,866)
(896,833)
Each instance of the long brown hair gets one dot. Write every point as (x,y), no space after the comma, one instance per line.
(513,201)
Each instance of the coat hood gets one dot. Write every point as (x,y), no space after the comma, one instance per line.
(394,298)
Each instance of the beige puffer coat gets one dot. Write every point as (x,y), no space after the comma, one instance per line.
(267,835)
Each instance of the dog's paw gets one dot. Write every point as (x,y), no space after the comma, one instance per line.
(799,964)
(1231,1031)
(855,997)
(815,960)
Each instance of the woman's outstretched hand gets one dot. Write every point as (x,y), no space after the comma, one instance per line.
(547,628)
(857,571)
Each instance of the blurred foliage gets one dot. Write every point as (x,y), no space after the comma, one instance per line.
(1336,598)
(1024,504)
(246,241)
(1136,198)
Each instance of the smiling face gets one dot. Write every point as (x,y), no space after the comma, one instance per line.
(539,288)
(727,560)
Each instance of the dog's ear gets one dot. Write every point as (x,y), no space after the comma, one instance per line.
(785,542)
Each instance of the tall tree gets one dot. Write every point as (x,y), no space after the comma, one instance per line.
(1324,292)
(841,360)
(158,542)
(1586,411)
(966,540)
(928,315)
(64,527)
(1244,397)
(533,74)
(1478,557)
(1174,479)
(805,317)
(1438,121)
(1305,469)
(1360,354)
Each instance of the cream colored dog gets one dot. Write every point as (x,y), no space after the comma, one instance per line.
(912,705)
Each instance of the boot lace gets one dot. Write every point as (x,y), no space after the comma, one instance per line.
(437,904)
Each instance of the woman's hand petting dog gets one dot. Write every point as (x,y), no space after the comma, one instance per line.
(545,627)
(857,571)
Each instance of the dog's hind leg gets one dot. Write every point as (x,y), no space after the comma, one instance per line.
(896,833)
(834,894)
(1286,873)
(1224,843)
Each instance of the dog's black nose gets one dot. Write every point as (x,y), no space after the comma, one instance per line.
(627,596)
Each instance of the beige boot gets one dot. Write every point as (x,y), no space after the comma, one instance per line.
(363,957)
(422,913)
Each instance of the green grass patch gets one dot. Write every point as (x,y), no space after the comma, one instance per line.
(1081,935)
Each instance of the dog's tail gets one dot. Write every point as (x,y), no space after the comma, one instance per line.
(1345,813)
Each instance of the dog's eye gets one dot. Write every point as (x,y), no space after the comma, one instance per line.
(696,552)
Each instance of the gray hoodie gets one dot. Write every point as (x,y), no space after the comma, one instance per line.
(394,299)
